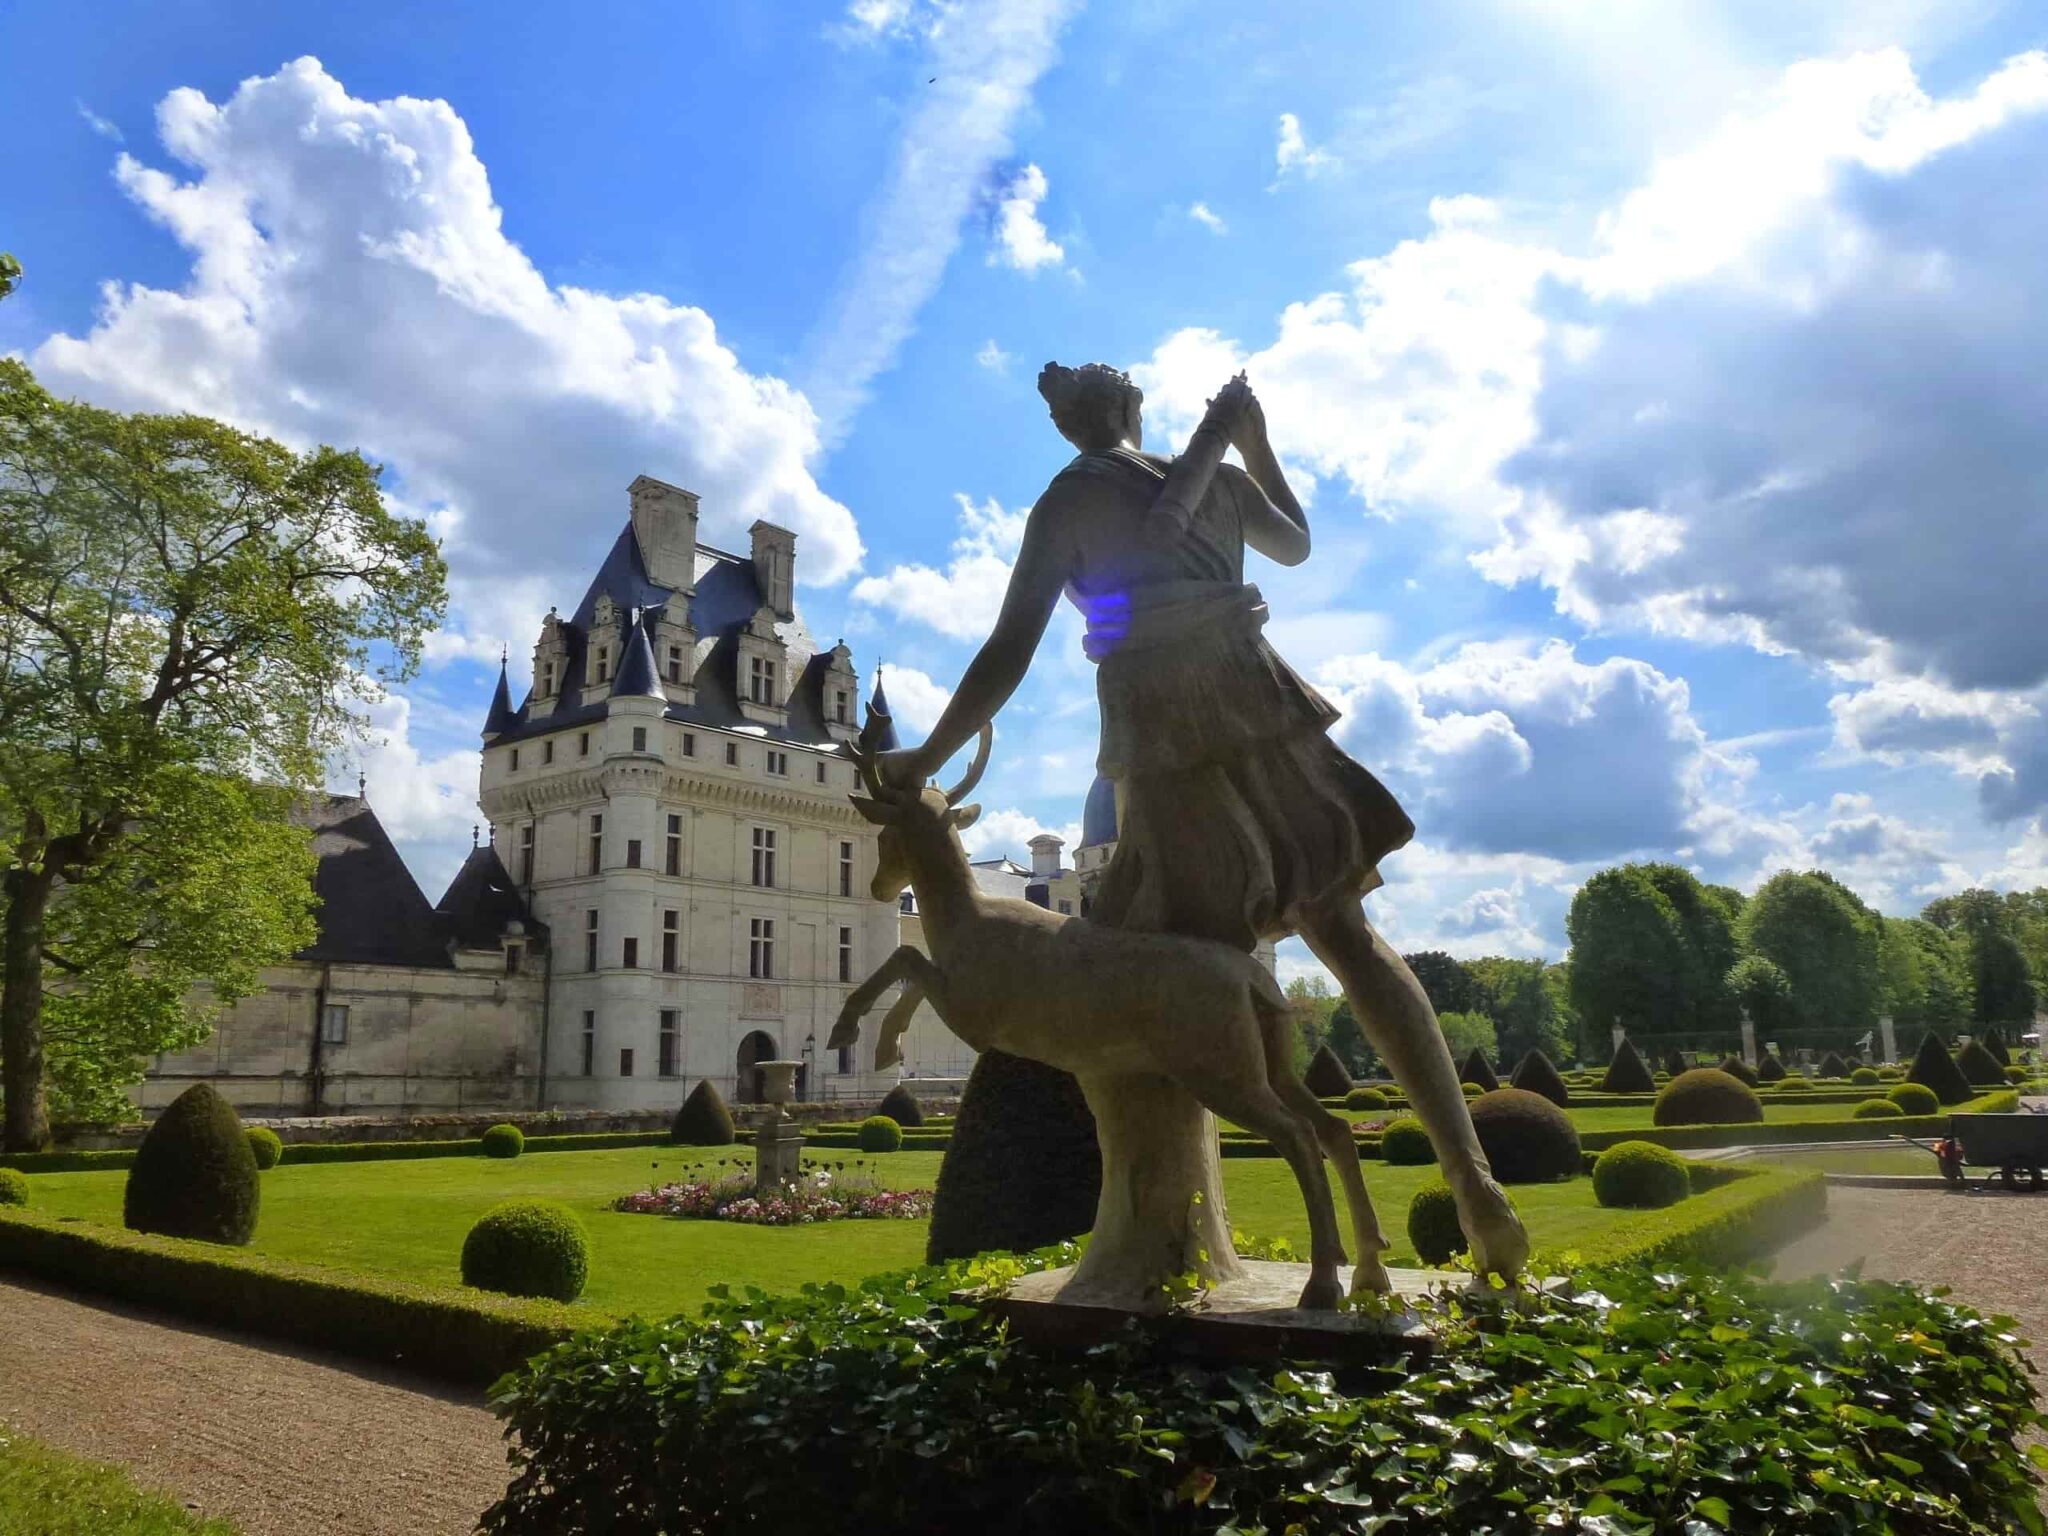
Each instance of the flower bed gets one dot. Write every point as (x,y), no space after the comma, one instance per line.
(824,1192)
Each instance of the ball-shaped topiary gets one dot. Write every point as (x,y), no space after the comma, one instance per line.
(1473,1090)
(1628,1072)
(1477,1069)
(1793,1082)
(1707,1096)
(1535,1074)
(266,1146)
(1327,1076)
(13,1187)
(1832,1065)
(1433,1230)
(1640,1175)
(527,1248)
(901,1105)
(1979,1067)
(1406,1144)
(1862,1077)
(1738,1069)
(1934,1068)
(1022,1169)
(878,1133)
(1876,1109)
(1527,1139)
(194,1175)
(503,1141)
(703,1121)
(1915,1099)
(1891,1074)
(1770,1069)
(1367,1098)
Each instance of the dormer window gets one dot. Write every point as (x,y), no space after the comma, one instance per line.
(842,707)
(761,680)
(675,663)
(604,663)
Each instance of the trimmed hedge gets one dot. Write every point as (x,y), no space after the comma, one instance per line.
(465,1337)
(1979,1067)
(1433,1229)
(1734,1215)
(1770,1069)
(1707,1096)
(1738,1069)
(1863,1076)
(1915,1099)
(1534,1073)
(1877,1109)
(1406,1144)
(1367,1098)
(527,1248)
(1640,1175)
(1527,1139)
(13,1187)
(1628,1072)
(1994,1042)
(1934,1068)
(703,1120)
(878,1133)
(194,1175)
(1477,1069)
(1832,1065)
(1327,1076)
(502,1141)
(1023,1169)
(901,1105)
(265,1146)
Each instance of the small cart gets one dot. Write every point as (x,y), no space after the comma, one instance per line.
(2014,1146)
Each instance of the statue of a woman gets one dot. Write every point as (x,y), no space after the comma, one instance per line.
(1238,818)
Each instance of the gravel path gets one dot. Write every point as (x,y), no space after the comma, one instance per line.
(285,1442)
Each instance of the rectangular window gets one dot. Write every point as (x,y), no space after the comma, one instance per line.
(639,738)
(689,744)
(673,859)
(671,934)
(334,1024)
(626,1062)
(846,1067)
(597,845)
(675,663)
(512,959)
(761,680)
(547,679)
(629,953)
(846,869)
(526,854)
(764,856)
(583,743)
(515,759)
(778,763)
(547,751)
(666,1063)
(590,940)
(846,954)
(821,773)
(842,707)
(632,853)
(589,1043)
(732,754)
(761,949)
(1067,908)
(604,664)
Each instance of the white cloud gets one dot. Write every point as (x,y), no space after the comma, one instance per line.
(1293,152)
(1020,238)
(1208,218)
(994,358)
(915,700)
(352,283)
(1007,833)
(960,601)
(105,128)
(426,801)
(983,59)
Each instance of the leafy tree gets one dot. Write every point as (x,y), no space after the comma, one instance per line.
(1466,1033)
(1630,960)
(1992,927)
(1707,919)
(1926,974)
(1349,1042)
(183,608)
(1824,939)
(10,273)
(1446,980)
(1523,1006)
(2005,992)
(1760,987)
(1310,1003)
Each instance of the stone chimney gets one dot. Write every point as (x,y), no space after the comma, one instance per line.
(665,527)
(774,554)
(1045,856)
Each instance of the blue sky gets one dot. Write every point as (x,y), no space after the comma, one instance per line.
(1663,379)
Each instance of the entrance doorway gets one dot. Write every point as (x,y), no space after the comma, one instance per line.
(749,1085)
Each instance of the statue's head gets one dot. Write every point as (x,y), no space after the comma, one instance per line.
(1095,406)
(927,819)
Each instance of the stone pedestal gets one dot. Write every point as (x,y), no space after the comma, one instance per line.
(1748,1039)
(778,1154)
(1888,1041)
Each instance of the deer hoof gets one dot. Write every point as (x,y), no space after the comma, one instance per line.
(1321,1294)
(1370,1277)
(844,1033)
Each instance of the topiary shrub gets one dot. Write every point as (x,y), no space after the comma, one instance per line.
(1640,1176)
(1628,1072)
(1707,1096)
(1863,1076)
(1527,1138)
(1367,1098)
(265,1146)
(1915,1099)
(1535,1074)
(503,1141)
(1832,1065)
(1934,1068)
(1792,1082)
(1770,1069)
(1738,1069)
(703,1121)
(1891,1074)
(901,1105)
(1406,1144)
(878,1133)
(1994,1042)
(1477,1069)
(1473,1090)
(1979,1067)
(13,1187)
(2015,1075)
(1327,1076)
(1022,1169)
(527,1248)
(1433,1230)
(1876,1109)
(1675,1063)
(194,1175)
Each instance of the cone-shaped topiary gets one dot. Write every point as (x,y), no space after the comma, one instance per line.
(1934,1068)
(1675,1062)
(1737,1068)
(1022,1169)
(1405,1144)
(1628,1072)
(1640,1175)
(1327,1076)
(265,1146)
(1994,1042)
(1527,1139)
(1914,1098)
(13,1187)
(1477,1069)
(1979,1066)
(1708,1096)
(1535,1074)
(194,1175)
(1832,1065)
(1770,1069)
(703,1121)
(901,1105)
(527,1248)
(1433,1230)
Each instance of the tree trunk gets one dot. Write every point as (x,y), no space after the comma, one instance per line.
(1161,1215)
(21,1012)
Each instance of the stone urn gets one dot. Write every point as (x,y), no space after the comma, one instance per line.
(779,1143)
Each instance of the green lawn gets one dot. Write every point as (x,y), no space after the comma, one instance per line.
(1634,1117)
(1892,1158)
(47,1493)
(409,1218)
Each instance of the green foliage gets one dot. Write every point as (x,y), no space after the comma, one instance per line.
(1639,1175)
(1877,1109)
(1445,980)
(265,1146)
(1994,1042)
(1832,1065)
(1915,1099)
(878,1133)
(1433,1229)
(1631,966)
(1471,1090)
(1628,1072)
(1311,1007)
(1738,1069)
(1825,940)
(1348,1040)
(1405,1143)
(1760,987)
(1707,1096)
(10,273)
(1022,1170)
(194,1174)
(2015,1074)
(1527,1138)
(901,1105)
(1770,1070)
(1535,1074)
(1477,1069)
(1863,1076)
(1326,1077)
(527,1248)
(2005,990)
(1934,1068)
(1367,1098)
(1979,1067)
(703,1121)
(503,1141)
(1927,980)
(1792,1082)
(13,1187)
(1465,1033)
(45,1492)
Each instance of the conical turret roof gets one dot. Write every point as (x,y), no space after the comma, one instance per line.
(879,719)
(499,720)
(637,675)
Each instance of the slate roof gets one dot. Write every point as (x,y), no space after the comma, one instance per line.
(481,902)
(636,676)
(1098,813)
(499,720)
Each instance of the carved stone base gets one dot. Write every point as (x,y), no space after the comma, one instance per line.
(778,1154)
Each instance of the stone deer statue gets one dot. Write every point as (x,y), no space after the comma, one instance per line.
(1120,1010)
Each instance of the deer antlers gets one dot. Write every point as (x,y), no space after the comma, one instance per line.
(866,755)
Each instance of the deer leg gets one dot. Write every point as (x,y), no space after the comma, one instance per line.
(889,1039)
(904,964)
(1334,1132)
